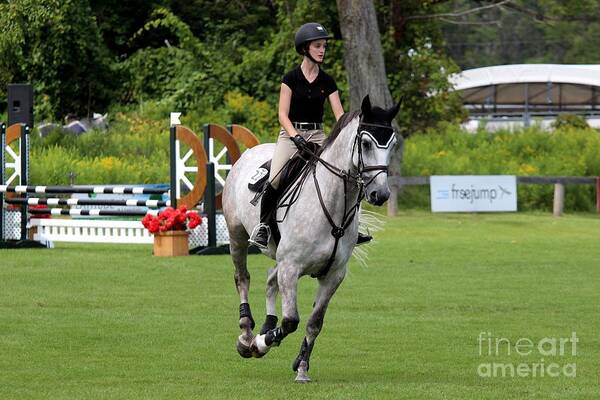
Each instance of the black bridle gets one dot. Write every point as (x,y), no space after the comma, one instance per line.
(357,144)
(338,231)
(361,168)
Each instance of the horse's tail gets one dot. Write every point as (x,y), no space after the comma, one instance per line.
(371,222)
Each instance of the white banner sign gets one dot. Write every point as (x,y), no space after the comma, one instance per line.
(477,193)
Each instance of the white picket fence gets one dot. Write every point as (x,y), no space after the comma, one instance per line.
(90,231)
(111,231)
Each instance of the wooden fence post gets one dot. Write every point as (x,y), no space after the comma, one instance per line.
(597,194)
(393,201)
(559,199)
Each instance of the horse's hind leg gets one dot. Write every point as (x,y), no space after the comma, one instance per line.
(272,289)
(327,287)
(238,246)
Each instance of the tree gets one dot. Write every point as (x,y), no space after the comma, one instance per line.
(365,66)
(419,73)
(118,20)
(363,54)
(56,46)
(523,31)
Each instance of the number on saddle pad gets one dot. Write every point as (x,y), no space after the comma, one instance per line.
(257,181)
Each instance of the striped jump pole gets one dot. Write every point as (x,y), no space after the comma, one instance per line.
(74,189)
(33,201)
(95,213)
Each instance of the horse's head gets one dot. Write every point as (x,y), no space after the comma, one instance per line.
(374,145)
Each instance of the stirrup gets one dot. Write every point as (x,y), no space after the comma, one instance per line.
(254,237)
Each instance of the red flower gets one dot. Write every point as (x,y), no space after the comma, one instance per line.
(194,218)
(171,219)
(154,226)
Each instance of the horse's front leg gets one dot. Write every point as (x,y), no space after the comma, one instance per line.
(287,280)
(327,287)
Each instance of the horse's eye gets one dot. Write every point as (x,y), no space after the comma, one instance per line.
(366,144)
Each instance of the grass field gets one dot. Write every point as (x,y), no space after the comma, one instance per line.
(112,322)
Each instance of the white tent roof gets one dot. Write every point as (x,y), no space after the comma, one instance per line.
(536,84)
(527,73)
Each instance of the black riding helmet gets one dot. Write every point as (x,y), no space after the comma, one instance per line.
(309,32)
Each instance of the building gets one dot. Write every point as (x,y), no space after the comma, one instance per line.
(513,96)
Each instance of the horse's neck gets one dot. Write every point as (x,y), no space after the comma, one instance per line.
(338,154)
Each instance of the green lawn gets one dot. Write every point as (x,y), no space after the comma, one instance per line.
(100,321)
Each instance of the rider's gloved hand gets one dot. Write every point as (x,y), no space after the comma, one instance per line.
(300,142)
(303,147)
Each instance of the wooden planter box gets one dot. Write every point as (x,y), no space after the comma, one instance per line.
(171,243)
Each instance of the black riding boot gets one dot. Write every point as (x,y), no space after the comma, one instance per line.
(363,238)
(262,232)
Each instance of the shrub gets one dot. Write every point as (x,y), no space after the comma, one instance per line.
(570,121)
(258,116)
(530,152)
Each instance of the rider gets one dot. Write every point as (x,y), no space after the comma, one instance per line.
(301,100)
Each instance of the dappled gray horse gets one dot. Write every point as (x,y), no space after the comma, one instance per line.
(320,229)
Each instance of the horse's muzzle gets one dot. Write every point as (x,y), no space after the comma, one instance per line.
(378,197)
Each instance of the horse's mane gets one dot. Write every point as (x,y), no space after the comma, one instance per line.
(339,125)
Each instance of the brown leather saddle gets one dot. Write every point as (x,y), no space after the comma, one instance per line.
(289,173)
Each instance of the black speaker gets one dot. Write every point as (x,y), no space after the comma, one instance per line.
(20,104)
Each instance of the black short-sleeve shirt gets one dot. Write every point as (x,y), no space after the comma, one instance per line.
(308,98)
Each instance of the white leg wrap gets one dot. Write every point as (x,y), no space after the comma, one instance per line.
(260,343)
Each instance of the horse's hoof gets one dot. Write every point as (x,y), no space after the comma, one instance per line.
(258,346)
(244,350)
(243,346)
(302,376)
(257,354)
(302,379)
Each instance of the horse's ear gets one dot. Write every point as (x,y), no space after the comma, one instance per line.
(394,110)
(366,105)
